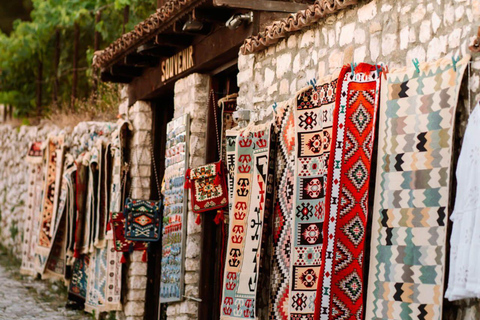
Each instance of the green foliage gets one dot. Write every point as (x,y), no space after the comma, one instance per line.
(33,42)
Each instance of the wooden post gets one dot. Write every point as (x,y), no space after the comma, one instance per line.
(56,63)
(76,44)
(5,113)
(96,47)
(126,13)
(39,87)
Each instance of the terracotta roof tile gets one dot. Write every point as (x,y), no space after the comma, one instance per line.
(297,21)
(142,32)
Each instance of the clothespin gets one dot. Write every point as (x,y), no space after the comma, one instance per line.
(416,63)
(455,61)
(378,69)
(274,106)
(312,82)
(353,65)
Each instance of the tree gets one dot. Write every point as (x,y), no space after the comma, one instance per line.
(48,40)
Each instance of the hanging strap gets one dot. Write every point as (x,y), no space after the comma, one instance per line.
(217,131)
(152,157)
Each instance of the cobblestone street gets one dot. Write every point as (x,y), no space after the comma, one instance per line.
(25,298)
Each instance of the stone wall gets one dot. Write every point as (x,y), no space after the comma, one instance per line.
(14,173)
(140,115)
(383,31)
(191,97)
(380,31)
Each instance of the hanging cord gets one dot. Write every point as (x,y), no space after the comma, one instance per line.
(212,102)
(152,157)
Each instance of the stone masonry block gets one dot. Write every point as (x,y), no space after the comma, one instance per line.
(192,264)
(136,256)
(142,121)
(171,310)
(134,308)
(141,107)
(137,282)
(137,269)
(189,307)
(136,295)
(193,246)
(192,278)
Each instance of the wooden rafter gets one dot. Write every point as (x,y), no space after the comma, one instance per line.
(262,5)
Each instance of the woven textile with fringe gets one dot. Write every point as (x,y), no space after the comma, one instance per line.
(340,293)
(313,114)
(283,213)
(50,199)
(407,260)
(31,217)
(251,191)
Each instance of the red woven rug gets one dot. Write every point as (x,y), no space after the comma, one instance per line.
(340,295)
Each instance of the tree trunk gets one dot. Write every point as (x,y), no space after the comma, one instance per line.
(55,67)
(126,12)
(76,44)
(39,87)
(96,47)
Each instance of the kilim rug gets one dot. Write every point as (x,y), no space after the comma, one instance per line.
(246,223)
(69,177)
(31,216)
(340,293)
(58,183)
(313,116)
(114,266)
(77,290)
(407,261)
(80,200)
(91,160)
(100,207)
(283,213)
(56,262)
(44,242)
(97,279)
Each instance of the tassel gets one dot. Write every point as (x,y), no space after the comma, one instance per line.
(198,221)
(109,226)
(187,180)
(219,217)
(123,259)
(144,256)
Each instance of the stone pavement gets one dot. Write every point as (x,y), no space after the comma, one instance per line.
(26,299)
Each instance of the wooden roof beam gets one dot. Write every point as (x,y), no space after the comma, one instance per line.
(262,5)
(126,71)
(154,50)
(106,76)
(142,61)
